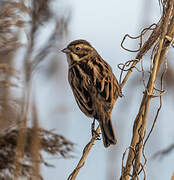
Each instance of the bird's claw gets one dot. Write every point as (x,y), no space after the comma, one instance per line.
(96,135)
(94,132)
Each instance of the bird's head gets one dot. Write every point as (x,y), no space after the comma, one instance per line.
(78,49)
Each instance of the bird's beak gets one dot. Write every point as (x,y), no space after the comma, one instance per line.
(65,50)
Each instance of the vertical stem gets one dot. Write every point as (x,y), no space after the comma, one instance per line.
(140,121)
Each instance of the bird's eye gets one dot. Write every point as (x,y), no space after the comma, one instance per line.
(77,48)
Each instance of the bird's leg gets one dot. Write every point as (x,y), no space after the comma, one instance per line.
(94,133)
(93,127)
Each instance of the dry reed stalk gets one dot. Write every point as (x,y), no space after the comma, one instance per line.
(172,177)
(8,44)
(140,121)
(39,13)
(143,50)
(22,124)
(12,14)
(86,150)
(35,145)
(22,136)
(9,41)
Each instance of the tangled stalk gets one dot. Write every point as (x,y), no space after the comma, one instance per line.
(133,165)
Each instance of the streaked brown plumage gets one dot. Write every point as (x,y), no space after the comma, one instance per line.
(94,85)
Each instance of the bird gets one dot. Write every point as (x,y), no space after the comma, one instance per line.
(94,85)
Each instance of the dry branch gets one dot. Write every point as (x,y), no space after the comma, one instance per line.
(86,150)
(133,160)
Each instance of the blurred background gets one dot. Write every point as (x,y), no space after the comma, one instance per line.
(104,24)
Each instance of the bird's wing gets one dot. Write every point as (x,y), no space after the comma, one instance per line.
(80,84)
(92,82)
(105,83)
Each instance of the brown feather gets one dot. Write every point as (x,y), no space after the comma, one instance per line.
(94,86)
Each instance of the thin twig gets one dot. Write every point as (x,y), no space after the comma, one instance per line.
(145,48)
(143,32)
(86,150)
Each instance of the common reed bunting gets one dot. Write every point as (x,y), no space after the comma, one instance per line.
(94,85)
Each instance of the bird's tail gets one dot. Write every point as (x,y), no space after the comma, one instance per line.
(107,131)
